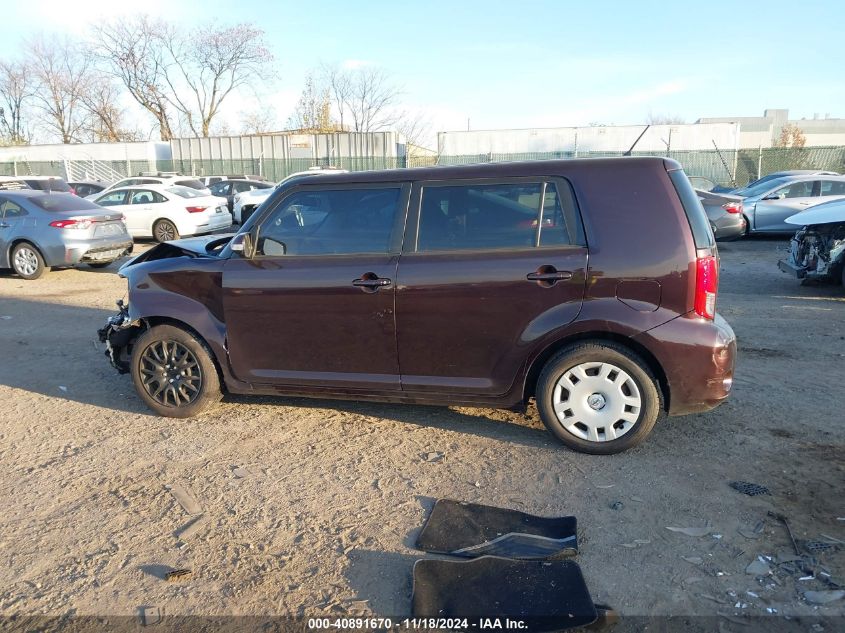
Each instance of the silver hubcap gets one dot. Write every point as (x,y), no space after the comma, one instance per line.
(597,402)
(165,232)
(26,261)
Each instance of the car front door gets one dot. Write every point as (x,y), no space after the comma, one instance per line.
(117,200)
(772,209)
(145,207)
(488,268)
(313,308)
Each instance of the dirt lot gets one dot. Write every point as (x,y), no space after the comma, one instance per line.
(312,507)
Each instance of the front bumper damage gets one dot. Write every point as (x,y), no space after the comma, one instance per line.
(117,334)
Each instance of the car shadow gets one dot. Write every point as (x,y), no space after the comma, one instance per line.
(488,423)
(52,349)
(384,580)
(62,358)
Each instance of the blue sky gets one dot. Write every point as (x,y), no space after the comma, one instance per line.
(528,63)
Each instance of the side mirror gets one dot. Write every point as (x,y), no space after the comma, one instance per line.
(243,243)
(775,196)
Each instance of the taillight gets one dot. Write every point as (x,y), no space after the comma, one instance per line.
(71,224)
(706,286)
(196,209)
(733,207)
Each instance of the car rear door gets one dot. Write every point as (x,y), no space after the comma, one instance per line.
(488,268)
(314,308)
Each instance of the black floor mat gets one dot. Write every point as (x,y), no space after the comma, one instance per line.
(546,595)
(470,530)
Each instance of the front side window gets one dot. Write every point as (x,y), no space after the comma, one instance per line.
(491,216)
(801,189)
(331,222)
(221,188)
(112,199)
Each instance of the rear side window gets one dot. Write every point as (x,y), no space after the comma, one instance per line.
(485,216)
(702,235)
(60,203)
(9,209)
(833,187)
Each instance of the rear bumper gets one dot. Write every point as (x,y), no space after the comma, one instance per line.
(729,227)
(71,252)
(214,222)
(697,357)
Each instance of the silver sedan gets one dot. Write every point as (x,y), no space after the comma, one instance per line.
(39,230)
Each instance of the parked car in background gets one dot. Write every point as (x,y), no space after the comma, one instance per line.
(40,229)
(725,216)
(181,181)
(85,188)
(245,204)
(55,184)
(166,212)
(817,251)
(230,188)
(767,204)
(210,180)
(589,285)
(773,176)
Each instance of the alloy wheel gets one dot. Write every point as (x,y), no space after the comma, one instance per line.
(165,232)
(26,261)
(170,373)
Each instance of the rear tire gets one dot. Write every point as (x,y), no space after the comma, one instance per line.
(174,373)
(27,261)
(165,231)
(598,398)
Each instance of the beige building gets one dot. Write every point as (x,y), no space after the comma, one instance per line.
(764,131)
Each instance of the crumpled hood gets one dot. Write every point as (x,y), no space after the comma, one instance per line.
(187,247)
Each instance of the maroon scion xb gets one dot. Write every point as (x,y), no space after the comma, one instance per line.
(588,285)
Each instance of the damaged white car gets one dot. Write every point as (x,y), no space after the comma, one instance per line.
(817,251)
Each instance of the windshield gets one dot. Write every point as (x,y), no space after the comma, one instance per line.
(185,192)
(760,187)
(62,202)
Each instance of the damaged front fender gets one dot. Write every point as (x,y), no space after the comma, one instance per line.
(117,334)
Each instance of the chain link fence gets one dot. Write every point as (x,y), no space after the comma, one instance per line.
(725,167)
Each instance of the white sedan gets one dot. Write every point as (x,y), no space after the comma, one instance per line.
(167,212)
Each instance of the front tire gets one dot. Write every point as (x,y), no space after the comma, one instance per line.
(598,398)
(27,261)
(165,231)
(173,372)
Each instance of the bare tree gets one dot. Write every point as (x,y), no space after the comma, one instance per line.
(133,50)
(259,121)
(209,64)
(62,74)
(106,120)
(663,119)
(364,98)
(15,91)
(313,111)
(415,127)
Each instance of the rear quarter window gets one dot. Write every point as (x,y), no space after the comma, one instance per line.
(193,184)
(699,224)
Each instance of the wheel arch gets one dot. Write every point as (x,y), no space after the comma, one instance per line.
(149,322)
(640,350)
(25,240)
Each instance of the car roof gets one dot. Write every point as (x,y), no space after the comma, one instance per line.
(87,182)
(30,193)
(161,188)
(503,169)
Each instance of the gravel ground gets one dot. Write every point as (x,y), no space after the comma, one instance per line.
(311,507)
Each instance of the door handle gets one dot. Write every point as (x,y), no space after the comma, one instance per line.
(370,282)
(548,275)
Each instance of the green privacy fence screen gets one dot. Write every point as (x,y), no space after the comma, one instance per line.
(723,167)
